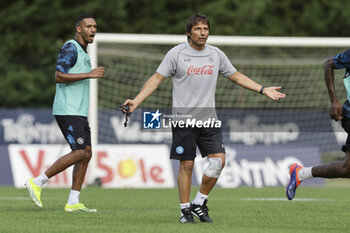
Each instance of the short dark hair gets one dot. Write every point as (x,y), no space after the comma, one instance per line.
(82,17)
(194,20)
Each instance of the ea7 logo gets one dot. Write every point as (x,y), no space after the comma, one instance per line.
(152,120)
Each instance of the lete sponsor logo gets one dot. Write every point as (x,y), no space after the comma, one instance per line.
(134,134)
(25,129)
(204,70)
(251,131)
(261,166)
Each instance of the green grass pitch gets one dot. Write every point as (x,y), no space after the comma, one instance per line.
(315,209)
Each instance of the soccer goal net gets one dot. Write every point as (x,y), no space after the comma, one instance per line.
(250,119)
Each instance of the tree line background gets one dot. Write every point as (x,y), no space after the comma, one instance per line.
(33,31)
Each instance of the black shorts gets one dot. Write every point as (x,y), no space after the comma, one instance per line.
(185,142)
(345,123)
(76,131)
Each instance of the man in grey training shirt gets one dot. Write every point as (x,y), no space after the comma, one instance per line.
(194,67)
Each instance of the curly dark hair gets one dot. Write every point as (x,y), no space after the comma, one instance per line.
(82,17)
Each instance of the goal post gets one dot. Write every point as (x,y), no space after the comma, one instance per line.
(296,63)
(223,40)
(156,39)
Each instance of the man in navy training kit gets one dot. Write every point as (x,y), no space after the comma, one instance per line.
(70,108)
(194,67)
(339,169)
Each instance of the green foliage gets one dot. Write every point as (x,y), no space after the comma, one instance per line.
(33,30)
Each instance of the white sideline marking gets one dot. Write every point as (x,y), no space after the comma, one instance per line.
(285,199)
(14,198)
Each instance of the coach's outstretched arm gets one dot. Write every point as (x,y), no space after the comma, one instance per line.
(248,83)
(148,88)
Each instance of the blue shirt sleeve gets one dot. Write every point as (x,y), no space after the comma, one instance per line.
(342,60)
(67,58)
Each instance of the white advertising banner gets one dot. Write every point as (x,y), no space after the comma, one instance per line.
(134,166)
(29,161)
(117,166)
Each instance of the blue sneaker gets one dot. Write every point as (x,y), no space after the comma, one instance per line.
(294,181)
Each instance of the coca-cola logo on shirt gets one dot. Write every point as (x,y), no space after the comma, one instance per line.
(204,70)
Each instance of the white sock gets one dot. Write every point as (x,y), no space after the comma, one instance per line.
(200,198)
(73,197)
(41,180)
(305,173)
(183,206)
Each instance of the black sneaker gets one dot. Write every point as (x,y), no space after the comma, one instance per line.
(201,212)
(187,216)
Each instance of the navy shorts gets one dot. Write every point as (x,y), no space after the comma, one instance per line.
(186,140)
(345,123)
(76,131)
